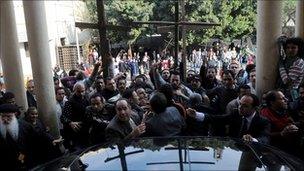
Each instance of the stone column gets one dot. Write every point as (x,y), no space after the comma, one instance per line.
(269,28)
(300,19)
(10,54)
(37,33)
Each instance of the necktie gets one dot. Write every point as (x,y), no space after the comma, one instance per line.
(244,127)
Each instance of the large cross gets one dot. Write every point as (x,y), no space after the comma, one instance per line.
(176,25)
(102,26)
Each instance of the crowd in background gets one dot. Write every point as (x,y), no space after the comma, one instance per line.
(148,97)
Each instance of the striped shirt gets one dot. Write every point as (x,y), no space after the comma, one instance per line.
(295,73)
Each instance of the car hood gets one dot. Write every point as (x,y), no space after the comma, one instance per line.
(180,153)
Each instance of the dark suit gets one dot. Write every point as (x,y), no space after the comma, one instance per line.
(31,101)
(118,130)
(168,123)
(259,127)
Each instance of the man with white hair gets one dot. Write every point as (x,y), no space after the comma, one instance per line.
(18,141)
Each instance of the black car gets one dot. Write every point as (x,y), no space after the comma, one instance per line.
(178,153)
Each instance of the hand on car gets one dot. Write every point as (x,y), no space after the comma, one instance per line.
(289,129)
(247,138)
(140,129)
(75,126)
(191,112)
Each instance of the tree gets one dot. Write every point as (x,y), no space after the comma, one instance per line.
(123,13)
(237,18)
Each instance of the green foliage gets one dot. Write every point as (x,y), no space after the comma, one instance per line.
(122,13)
(237,17)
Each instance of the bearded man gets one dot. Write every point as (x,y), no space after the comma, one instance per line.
(19,150)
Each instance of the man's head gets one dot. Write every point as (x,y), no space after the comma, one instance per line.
(8,113)
(97,102)
(8,120)
(228,78)
(110,84)
(167,90)
(56,82)
(234,66)
(190,73)
(79,89)
(60,94)
(252,76)
(121,84)
(31,114)
(140,80)
(73,72)
(99,83)
(123,110)
(195,81)
(211,73)
(142,96)
(248,105)
(166,74)
(175,80)
(158,102)
(195,99)
(30,86)
(243,90)
(9,98)
(276,100)
(131,95)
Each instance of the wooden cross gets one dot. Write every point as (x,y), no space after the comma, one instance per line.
(102,26)
(176,26)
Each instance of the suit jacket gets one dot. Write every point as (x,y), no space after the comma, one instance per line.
(168,123)
(31,101)
(118,130)
(259,127)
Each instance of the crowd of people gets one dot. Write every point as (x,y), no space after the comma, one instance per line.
(219,100)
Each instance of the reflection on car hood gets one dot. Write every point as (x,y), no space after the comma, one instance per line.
(184,153)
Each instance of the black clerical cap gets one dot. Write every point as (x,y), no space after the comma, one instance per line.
(8,108)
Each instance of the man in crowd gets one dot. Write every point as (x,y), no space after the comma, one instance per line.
(181,92)
(251,126)
(234,104)
(211,81)
(284,132)
(252,77)
(164,121)
(98,86)
(125,124)
(30,94)
(166,75)
(110,89)
(73,118)
(60,102)
(18,141)
(221,96)
(98,118)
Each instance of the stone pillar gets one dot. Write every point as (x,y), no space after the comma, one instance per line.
(300,19)
(36,26)
(269,28)
(10,54)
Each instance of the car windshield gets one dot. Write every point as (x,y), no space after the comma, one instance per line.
(196,153)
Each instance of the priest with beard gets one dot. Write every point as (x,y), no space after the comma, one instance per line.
(18,141)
